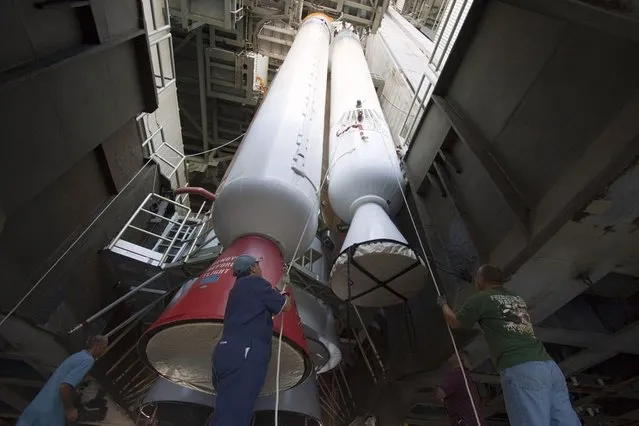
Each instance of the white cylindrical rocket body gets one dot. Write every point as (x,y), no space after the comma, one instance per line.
(271,188)
(365,184)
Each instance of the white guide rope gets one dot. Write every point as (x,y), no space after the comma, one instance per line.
(52,267)
(439,293)
(288,270)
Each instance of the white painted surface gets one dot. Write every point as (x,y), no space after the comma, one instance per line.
(401,67)
(271,188)
(363,163)
(383,252)
(454,16)
(168,116)
(409,48)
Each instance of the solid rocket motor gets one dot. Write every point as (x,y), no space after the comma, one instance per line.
(267,207)
(365,187)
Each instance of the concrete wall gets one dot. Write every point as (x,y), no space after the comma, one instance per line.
(530,124)
(72,82)
(40,231)
(528,87)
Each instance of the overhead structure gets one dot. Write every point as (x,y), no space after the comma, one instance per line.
(267,207)
(173,404)
(365,185)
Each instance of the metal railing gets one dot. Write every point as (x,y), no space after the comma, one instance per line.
(408,129)
(159,238)
(154,142)
(449,30)
(451,17)
(237,10)
(163,60)
(155,146)
(156,27)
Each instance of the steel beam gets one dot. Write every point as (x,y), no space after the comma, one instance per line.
(480,146)
(195,124)
(583,14)
(461,208)
(592,340)
(201,69)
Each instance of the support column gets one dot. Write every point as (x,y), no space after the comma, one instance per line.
(201,68)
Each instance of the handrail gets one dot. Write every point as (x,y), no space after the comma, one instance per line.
(195,190)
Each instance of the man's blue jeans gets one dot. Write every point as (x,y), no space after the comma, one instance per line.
(536,395)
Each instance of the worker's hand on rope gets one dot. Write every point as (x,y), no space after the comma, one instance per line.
(283,283)
(441,300)
(71,414)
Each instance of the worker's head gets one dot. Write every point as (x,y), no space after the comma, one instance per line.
(97,345)
(488,276)
(246,265)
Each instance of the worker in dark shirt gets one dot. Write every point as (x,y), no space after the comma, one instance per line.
(242,356)
(454,394)
(534,387)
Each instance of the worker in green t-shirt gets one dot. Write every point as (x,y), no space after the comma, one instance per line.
(534,387)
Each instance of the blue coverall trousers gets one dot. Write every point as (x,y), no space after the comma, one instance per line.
(239,372)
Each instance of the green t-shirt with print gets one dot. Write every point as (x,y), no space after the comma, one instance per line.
(504,319)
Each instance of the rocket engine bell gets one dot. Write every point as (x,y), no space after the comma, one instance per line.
(172,404)
(365,184)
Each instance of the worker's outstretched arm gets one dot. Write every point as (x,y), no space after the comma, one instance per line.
(466,317)
(69,382)
(450,316)
(273,300)
(66,395)
(287,305)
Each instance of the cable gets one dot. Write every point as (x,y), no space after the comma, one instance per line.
(288,270)
(439,293)
(216,148)
(93,222)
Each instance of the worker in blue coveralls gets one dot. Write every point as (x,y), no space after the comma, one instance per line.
(242,356)
(53,405)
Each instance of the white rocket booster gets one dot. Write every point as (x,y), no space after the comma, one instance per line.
(365,182)
(271,188)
